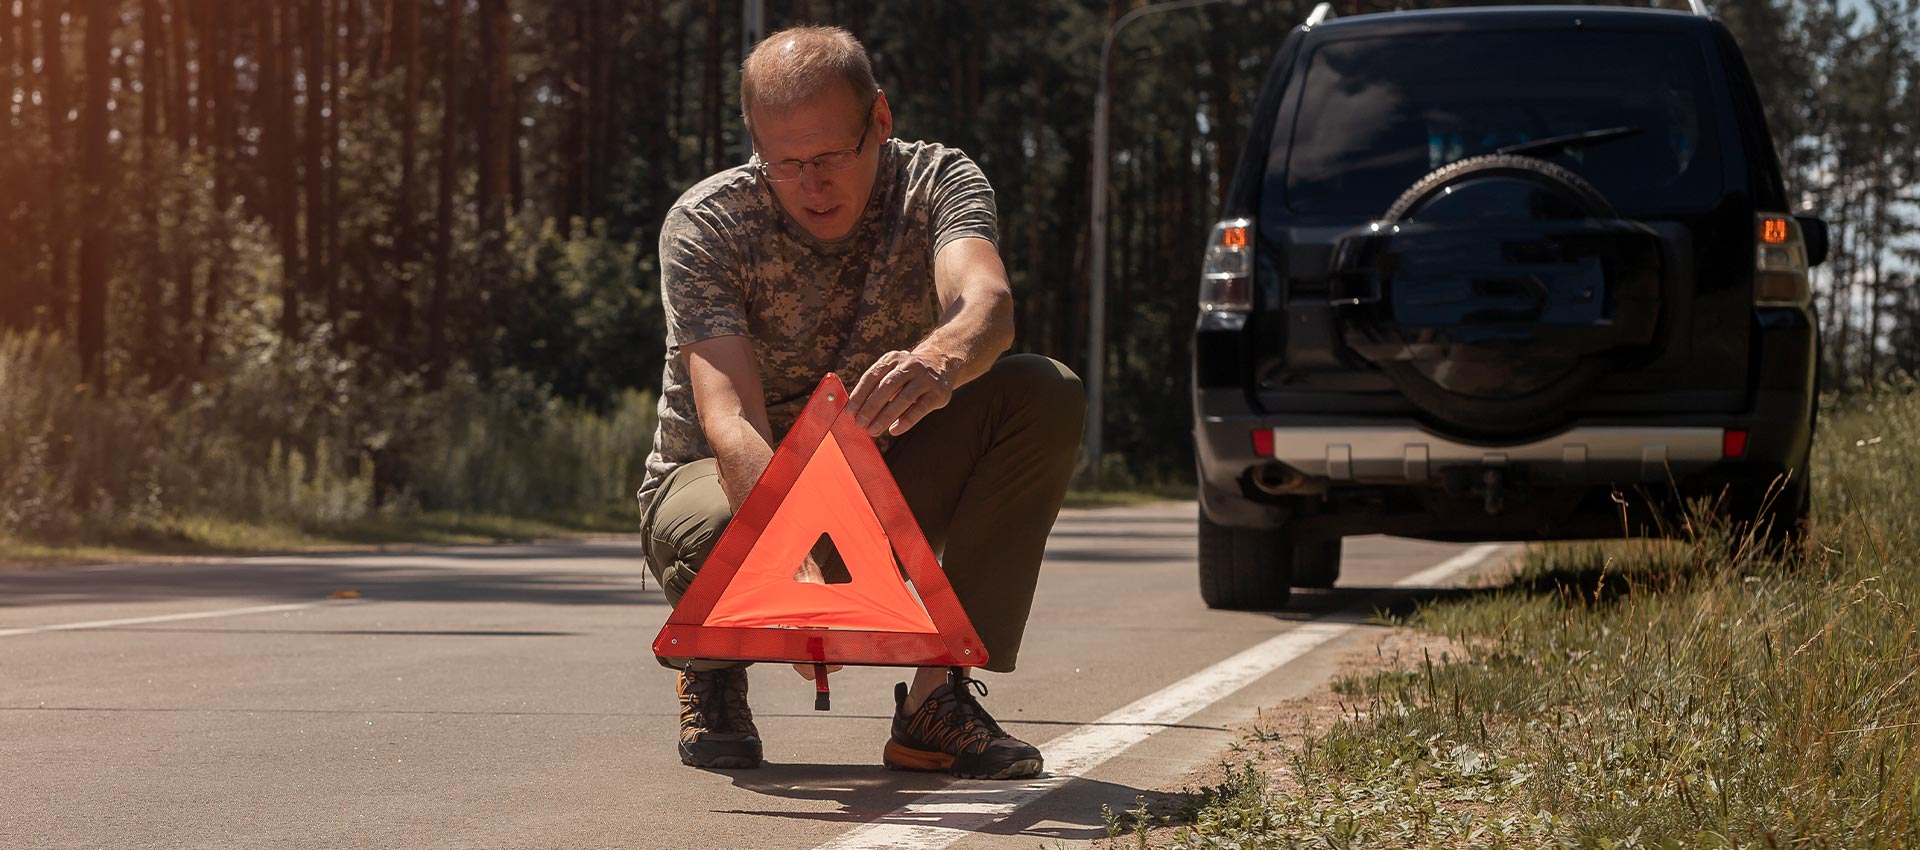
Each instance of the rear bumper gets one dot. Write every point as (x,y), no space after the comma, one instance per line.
(1408,455)
(1395,475)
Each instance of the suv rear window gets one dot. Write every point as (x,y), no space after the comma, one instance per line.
(1376,114)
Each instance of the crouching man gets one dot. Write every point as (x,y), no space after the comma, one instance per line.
(839,248)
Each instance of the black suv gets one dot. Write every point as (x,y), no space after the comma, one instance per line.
(1498,274)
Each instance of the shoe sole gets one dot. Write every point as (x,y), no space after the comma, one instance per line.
(899,757)
(727,762)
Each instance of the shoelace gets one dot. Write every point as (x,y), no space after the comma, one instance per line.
(699,695)
(973,726)
(739,714)
(970,704)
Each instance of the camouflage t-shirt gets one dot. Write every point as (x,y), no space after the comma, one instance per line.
(733,262)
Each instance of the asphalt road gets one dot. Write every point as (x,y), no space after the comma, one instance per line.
(505,697)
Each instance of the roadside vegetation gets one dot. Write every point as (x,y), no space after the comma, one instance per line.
(287,453)
(1697,692)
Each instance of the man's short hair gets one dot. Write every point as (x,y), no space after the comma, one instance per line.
(795,64)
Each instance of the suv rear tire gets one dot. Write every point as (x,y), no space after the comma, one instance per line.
(1317,565)
(1245,569)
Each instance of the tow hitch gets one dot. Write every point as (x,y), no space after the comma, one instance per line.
(1494,482)
(1492,485)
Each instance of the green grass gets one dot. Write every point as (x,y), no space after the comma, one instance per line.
(1657,694)
(207,536)
(1088,498)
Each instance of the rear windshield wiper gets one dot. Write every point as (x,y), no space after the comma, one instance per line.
(1586,137)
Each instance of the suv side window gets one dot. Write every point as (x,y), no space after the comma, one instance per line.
(1376,115)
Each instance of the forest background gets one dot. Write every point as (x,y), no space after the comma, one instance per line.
(307,263)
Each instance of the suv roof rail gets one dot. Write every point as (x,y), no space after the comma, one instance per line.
(1324,11)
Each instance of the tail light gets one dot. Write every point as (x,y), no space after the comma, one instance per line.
(1733,442)
(1226,278)
(1780,263)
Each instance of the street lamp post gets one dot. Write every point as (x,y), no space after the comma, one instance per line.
(1097,250)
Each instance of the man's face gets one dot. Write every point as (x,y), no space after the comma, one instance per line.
(826,203)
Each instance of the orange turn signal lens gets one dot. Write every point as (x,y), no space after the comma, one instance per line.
(1773,231)
(1234,237)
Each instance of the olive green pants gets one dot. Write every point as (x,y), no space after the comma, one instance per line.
(984,475)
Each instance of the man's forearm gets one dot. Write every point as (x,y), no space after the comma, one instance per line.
(742,452)
(973,334)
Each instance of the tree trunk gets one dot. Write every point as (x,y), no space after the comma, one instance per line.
(57,295)
(9,36)
(404,32)
(1040,293)
(516,164)
(223,121)
(22,38)
(497,115)
(656,138)
(207,21)
(437,359)
(313,61)
(94,175)
(1225,126)
(152,72)
(330,140)
(180,79)
(606,111)
(495,122)
(710,85)
(385,50)
(570,82)
(281,149)
(677,95)
(180,129)
(355,25)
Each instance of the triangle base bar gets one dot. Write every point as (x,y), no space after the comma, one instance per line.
(815,646)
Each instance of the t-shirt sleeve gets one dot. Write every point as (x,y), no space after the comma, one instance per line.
(700,285)
(962,203)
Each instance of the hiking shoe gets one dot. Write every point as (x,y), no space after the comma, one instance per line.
(716,726)
(950,731)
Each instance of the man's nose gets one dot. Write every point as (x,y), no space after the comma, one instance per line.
(813,182)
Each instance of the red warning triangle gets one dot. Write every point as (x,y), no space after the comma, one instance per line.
(826,478)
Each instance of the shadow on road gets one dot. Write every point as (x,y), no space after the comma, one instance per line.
(866,794)
(1344,604)
(1130,520)
(341,632)
(1095,555)
(1005,722)
(305,578)
(1182,533)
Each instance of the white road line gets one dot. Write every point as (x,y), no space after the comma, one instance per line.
(1434,575)
(943,817)
(164,618)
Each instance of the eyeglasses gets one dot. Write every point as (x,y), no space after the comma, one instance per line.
(789,170)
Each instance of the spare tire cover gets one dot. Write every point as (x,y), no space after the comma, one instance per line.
(1492,290)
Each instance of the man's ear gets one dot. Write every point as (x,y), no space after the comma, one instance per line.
(882,115)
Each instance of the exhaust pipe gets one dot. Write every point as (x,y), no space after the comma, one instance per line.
(1276,479)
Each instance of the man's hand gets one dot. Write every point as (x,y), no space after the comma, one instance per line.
(900,389)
